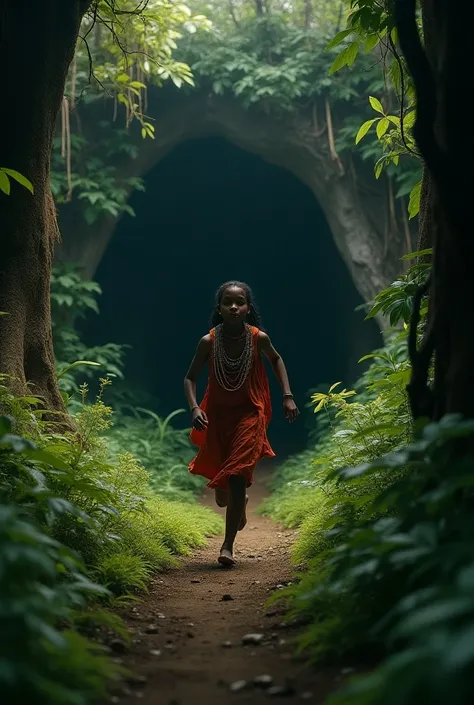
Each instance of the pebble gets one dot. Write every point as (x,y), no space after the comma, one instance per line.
(238,686)
(226,598)
(264,681)
(155,652)
(251,555)
(279,690)
(227,644)
(273,613)
(118,646)
(195,580)
(152,629)
(306,695)
(253,639)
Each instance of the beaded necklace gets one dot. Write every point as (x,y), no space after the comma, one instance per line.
(231,373)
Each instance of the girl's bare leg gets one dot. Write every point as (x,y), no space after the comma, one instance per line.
(222,497)
(243,521)
(233,518)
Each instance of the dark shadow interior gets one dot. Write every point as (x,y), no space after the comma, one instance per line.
(213,212)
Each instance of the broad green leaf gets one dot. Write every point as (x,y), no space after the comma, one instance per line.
(4,183)
(376,104)
(378,167)
(353,50)
(338,38)
(345,58)
(371,42)
(5,425)
(363,130)
(414,201)
(382,127)
(409,119)
(19,178)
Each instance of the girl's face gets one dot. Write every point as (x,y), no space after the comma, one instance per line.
(234,306)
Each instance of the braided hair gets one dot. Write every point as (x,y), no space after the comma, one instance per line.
(253,317)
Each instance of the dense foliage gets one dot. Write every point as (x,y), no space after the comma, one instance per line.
(87,516)
(283,61)
(119,55)
(288,61)
(384,506)
(384,517)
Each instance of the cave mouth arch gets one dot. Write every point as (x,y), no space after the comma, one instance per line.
(211,212)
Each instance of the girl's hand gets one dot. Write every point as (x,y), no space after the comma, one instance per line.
(290,409)
(200,422)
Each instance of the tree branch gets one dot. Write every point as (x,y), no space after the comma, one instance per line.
(419,392)
(425,87)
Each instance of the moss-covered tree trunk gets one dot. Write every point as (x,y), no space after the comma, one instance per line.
(442,77)
(37,42)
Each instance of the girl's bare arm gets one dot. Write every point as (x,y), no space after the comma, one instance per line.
(265,345)
(201,356)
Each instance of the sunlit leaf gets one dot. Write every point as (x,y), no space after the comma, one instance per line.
(376,104)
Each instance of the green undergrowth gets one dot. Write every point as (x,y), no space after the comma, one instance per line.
(305,495)
(82,530)
(384,511)
(163,450)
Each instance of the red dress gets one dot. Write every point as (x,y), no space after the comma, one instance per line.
(236,438)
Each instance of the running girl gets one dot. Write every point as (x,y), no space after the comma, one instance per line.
(230,425)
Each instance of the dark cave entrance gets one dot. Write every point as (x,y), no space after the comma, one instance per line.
(213,212)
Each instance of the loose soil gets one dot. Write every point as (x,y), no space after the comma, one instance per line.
(187,633)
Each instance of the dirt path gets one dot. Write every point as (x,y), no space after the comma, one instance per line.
(187,647)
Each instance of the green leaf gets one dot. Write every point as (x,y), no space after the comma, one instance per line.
(371,42)
(19,178)
(4,183)
(5,425)
(345,58)
(414,201)
(378,167)
(382,127)
(409,119)
(363,130)
(376,104)
(353,50)
(48,458)
(338,38)
(419,253)
(77,364)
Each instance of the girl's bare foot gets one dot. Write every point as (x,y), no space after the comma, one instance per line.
(226,558)
(243,521)
(222,497)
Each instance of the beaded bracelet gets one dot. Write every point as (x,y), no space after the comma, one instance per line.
(288,396)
